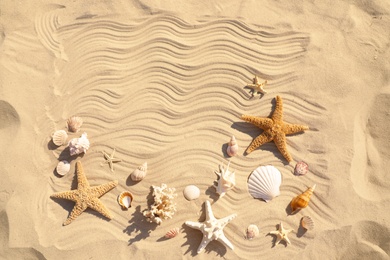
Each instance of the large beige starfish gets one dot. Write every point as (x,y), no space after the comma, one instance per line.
(257,86)
(110,159)
(274,130)
(281,234)
(85,196)
(212,228)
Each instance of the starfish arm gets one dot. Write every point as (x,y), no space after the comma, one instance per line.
(280,141)
(261,122)
(292,128)
(82,181)
(209,212)
(77,210)
(225,241)
(194,225)
(224,221)
(277,115)
(203,244)
(287,240)
(98,206)
(265,137)
(106,156)
(100,190)
(68,195)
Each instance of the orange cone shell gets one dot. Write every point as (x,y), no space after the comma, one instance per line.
(301,201)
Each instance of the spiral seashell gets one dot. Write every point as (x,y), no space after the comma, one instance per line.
(307,223)
(252,231)
(264,183)
(226,180)
(301,168)
(301,201)
(232,148)
(172,233)
(191,192)
(125,199)
(63,167)
(139,173)
(79,145)
(74,123)
(59,137)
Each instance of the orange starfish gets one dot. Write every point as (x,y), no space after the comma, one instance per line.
(274,130)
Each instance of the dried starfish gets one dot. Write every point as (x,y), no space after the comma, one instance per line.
(274,130)
(110,159)
(85,196)
(257,86)
(281,234)
(212,228)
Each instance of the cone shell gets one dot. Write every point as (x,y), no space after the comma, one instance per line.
(252,231)
(125,199)
(172,233)
(139,173)
(74,123)
(191,192)
(264,183)
(301,168)
(232,149)
(59,137)
(301,201)
(63,167)
(307,222)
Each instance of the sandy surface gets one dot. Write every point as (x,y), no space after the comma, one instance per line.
(164,83)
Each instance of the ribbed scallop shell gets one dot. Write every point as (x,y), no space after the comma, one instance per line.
(63,167)
(307,222)
(252,231)
(125,199)
(79,145)
(301,201)
(301,168)
(172,233)
(74,123)
(191,192)
(264,183)
(59,137)
(232,148)
(139,173)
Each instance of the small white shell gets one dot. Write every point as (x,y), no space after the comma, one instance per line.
(139,173)
(301,168)
(74,123)
(191,192)
(63,167)
(226,180)
(172,233)
(252,231)
(125,199)
(59,137)
(264,183)
(79,145)
(307,222)
(232,149)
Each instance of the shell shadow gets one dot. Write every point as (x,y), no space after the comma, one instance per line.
(140,225)
(130,182)
(51,146)
(224,150)
(211,192)
(301,230)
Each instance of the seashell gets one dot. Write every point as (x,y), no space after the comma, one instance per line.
(125,199)
(307,222)
(301,201)
(59,137)
(264,183)
(79,145)
(252,231)
(232,149)
(172,233)
(226,180)
(191,192)
(63,167)
(139,173)
(74,123)
(301,168)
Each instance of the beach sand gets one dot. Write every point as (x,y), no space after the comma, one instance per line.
(163,82)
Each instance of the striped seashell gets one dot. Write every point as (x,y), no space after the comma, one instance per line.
(172,233)
(301,168)
(59,137)
(63,167)
(252,231)
(301,201)
(139,173)
(264,183)
(74,123)
(307,222)
(191,192)
(125,199)
(232,148)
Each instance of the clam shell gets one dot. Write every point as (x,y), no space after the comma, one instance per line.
(301,201)
(59,137)
(264,183)
(172,233)
(232,148)
(191,192)
(125,199)
(74,123)
(139,173)
(252,231)
(79,145)
(301,168)
(307,222)
(63,167)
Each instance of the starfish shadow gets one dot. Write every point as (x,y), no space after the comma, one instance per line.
(253,92)
(140,225)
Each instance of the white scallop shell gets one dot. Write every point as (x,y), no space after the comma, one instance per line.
(252,231)
(59,137)
(172,233)
(79,145)
(232,149)
(74,123)
(264,183)
(139,173)
(307,222)
(63,167)
(191,192)
(125,199)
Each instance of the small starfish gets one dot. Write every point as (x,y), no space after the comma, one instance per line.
(212,228)
(281,234)
(110,159)
(274,130)
(85,196)
(257,86)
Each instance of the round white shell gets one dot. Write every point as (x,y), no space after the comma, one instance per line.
(252,231)
(139,173)
(59,137)
(79,145)
(172,233)
(63,167)
(264,183)
(307,222)
(74,123)
(191,192)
